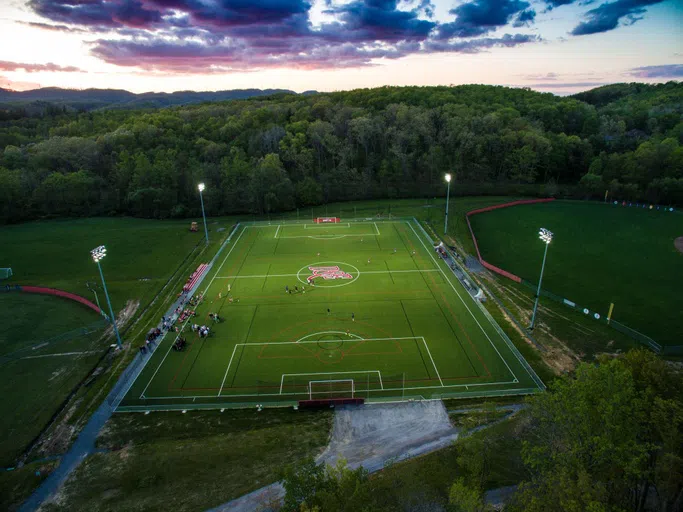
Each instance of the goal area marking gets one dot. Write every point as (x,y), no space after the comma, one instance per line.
(329,382)
(303,341)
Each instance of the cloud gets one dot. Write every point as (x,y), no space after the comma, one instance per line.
(548,76)
(53,28)
(219,36)
(664,71)
(566,85)
(607,16)
(33,68)
(6,83)
(480,17)
(100,13)
(477,45)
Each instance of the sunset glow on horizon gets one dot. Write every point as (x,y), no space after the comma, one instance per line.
(559,46)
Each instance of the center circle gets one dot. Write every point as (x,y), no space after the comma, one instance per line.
(322,282)
(330,342)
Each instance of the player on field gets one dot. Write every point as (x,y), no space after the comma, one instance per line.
(353,317)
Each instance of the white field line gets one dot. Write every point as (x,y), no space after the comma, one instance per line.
(327,225)
(277,231)
(364,272)
(226,370)
(58,354)
(189,318)
(259,343)
(282,380)
(463,302)
(375,224)
(329,237)
(466,386)
(430,357)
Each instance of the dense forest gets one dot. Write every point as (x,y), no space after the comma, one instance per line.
(263,155)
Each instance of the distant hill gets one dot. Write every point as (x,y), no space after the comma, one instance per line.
(92,99)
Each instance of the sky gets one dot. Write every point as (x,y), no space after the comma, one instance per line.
(559,46)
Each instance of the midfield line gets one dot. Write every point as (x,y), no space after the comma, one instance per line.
(360,273)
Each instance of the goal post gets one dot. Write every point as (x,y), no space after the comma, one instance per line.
(323,389)
(327,220)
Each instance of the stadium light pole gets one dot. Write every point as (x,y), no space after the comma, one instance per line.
(97,254)
(547,237)
(448,195)
(201,188)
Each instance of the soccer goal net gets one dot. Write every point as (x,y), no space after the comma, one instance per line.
(327,220)
(320,389)
(5,273)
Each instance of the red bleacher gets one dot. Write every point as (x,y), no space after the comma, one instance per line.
(196,276)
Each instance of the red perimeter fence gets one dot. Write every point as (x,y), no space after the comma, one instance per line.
(59,293)
(486,264)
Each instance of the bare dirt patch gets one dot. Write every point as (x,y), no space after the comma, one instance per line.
(678,244)
(373,435)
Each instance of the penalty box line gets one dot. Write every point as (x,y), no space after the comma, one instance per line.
(379,375)
(347,226)
(234,350)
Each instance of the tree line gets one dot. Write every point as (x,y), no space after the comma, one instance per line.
(265,155)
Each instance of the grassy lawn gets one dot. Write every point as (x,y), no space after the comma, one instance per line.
(18,484)
(600,254)
(39,371)
(193,461)
(142,257)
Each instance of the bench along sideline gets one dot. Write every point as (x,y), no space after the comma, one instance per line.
(326,220)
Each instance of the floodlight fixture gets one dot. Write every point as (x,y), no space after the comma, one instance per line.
(98,253)
(545,235)
(201,188)
(448,196)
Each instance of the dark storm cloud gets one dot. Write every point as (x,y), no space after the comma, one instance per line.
(212,36)
(525,18)
(480,17)
(664,71)
(607,16)
(123,13)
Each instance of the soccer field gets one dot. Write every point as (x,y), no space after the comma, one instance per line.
(372,311)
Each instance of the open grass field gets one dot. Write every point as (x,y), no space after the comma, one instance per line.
(385,319)
(41,364)
(600,254)
(44,353)
(141,254)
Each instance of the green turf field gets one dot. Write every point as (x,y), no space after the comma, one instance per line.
(44,353)
(399,323)
(600,254)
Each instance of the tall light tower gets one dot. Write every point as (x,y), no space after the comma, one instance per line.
(97,254)
(448,195)
(201,188)
(547,237)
